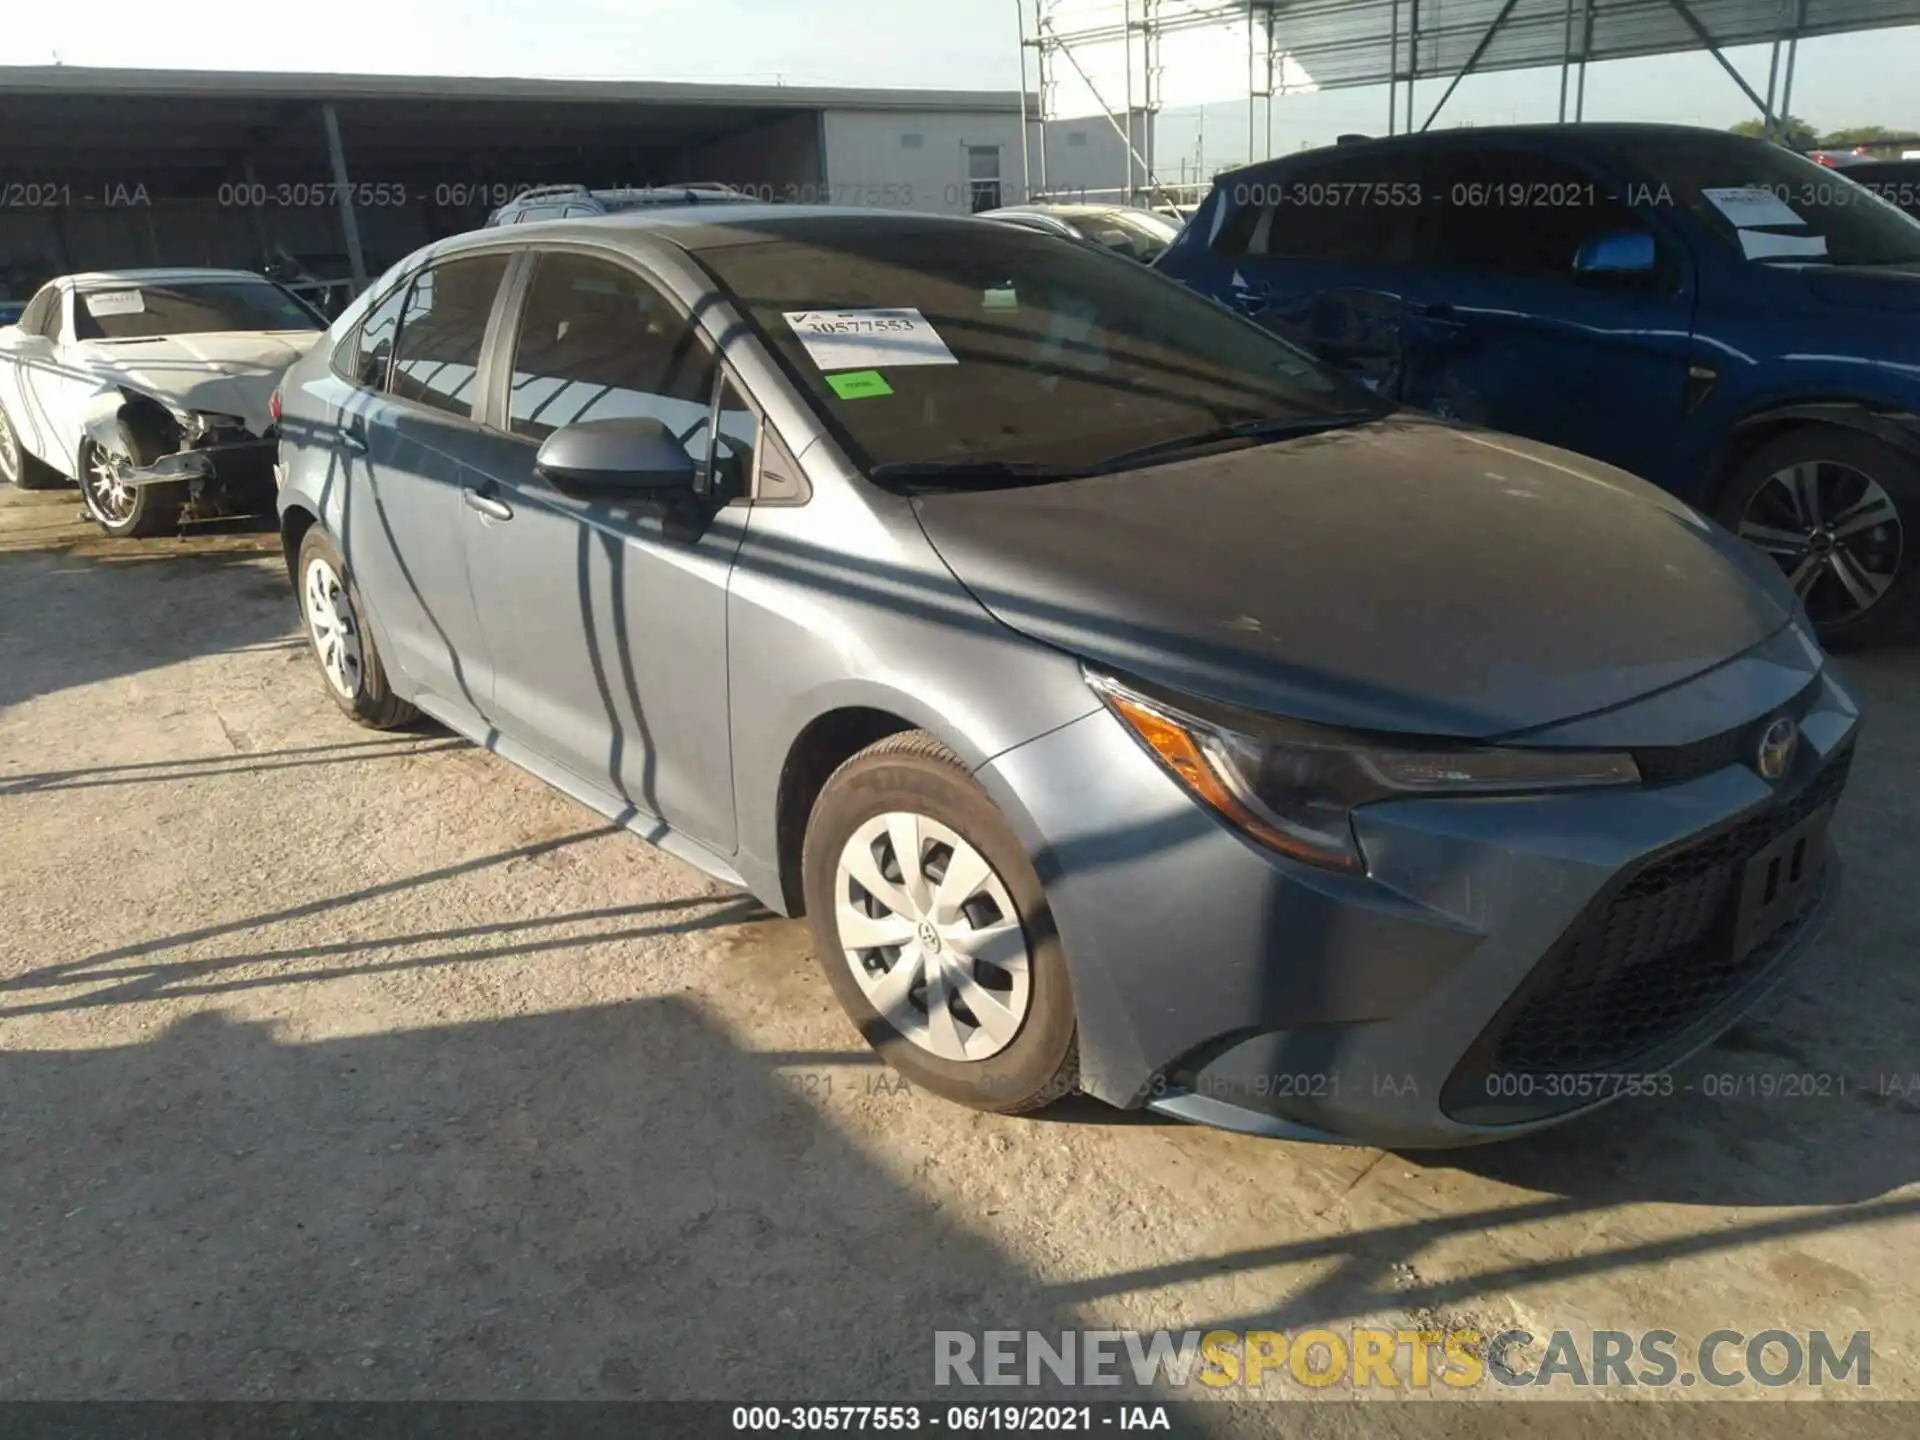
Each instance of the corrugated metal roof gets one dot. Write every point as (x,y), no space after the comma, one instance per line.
(66,80)
(1347,42)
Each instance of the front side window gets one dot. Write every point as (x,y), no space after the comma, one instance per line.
(1771,206)
(598,342)
(140,310)
(1514,213)
(956,344)
(436,359)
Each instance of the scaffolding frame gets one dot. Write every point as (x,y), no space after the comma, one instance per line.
(1143,24)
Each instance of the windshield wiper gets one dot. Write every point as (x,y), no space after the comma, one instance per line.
(1273,428)
(961,472)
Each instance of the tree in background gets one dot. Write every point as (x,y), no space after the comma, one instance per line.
(1866,135)
(1795,133)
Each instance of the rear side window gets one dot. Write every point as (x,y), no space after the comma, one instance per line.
(42,315)
(597,341)
(437,356)
(1513,213)
(1361,210)
(362,357)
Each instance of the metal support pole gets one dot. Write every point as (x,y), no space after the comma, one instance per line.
(1472,60)
(356,260)
(1150,55)
(1566,60)
(1712,47)
(1586,49)
(1393,65)
(1250,55)
(1770,127)
(1786,89)
(1026,173)
(1126,50)
(1044,65)
(1413,57)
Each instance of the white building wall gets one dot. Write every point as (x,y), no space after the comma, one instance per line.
(918,160)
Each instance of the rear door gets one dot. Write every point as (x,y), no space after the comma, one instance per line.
(1501,332)
(605,617)
(407,441)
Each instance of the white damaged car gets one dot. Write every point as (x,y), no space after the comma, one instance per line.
(151,388)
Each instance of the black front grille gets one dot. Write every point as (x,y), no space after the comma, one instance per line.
(1646,963)
(1670,764)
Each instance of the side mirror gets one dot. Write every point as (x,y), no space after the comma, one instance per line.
(1616,252)
(624,454)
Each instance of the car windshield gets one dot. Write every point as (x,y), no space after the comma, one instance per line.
(1774,206)
(140,310)
(966,345)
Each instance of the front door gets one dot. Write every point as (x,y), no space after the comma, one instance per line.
(1501,332)
(605,618)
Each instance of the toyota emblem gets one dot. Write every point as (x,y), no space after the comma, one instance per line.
(1777,747)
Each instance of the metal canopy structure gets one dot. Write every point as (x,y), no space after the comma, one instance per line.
(1119,56)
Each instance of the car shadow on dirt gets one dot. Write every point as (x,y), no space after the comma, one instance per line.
(612,1202)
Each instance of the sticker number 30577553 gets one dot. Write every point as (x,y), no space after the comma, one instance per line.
(868,339)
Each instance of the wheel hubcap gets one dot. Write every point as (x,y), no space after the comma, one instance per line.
(335,632)
(931,936)
(112,498)
(1833,530)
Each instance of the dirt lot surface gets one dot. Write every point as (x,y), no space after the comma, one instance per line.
(344,1065)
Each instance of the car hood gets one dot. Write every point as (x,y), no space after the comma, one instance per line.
(233,373)
(1405,575)
(1868,287)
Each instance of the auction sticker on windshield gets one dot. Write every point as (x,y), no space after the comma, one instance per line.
(116,302)
(1750,206)
(868,339)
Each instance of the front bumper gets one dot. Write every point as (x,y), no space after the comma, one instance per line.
(237,464)
(1409,1007)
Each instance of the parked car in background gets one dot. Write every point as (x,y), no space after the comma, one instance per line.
(567,202)
(152,389)
(1136,233)
(1895,181)
(1130,701)
(1714,313)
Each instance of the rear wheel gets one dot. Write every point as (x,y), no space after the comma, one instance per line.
(19,468)
(350,664)
(934,930)
(123,509)
(1839,512)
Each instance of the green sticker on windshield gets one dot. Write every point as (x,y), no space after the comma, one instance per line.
(859,384)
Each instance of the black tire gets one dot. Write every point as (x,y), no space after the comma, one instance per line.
(372,703)
(16,464)
(914,772)
(1894,549)
(152,509)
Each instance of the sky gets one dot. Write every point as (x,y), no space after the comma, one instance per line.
(941,44)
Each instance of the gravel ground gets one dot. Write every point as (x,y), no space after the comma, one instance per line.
(356,1066)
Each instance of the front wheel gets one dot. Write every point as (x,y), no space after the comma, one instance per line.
(1839,512)
(124,510)
(934,930)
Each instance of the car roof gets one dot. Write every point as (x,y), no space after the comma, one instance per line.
(1595,135)
(175,275)
(706,227)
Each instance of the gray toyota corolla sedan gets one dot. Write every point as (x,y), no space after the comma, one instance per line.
(1130,702)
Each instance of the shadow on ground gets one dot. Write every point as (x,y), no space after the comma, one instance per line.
(615,1202)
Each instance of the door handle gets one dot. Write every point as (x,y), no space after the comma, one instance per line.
(488,506)
(353,439)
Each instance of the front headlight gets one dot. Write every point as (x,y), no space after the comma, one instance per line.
(1295,787)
